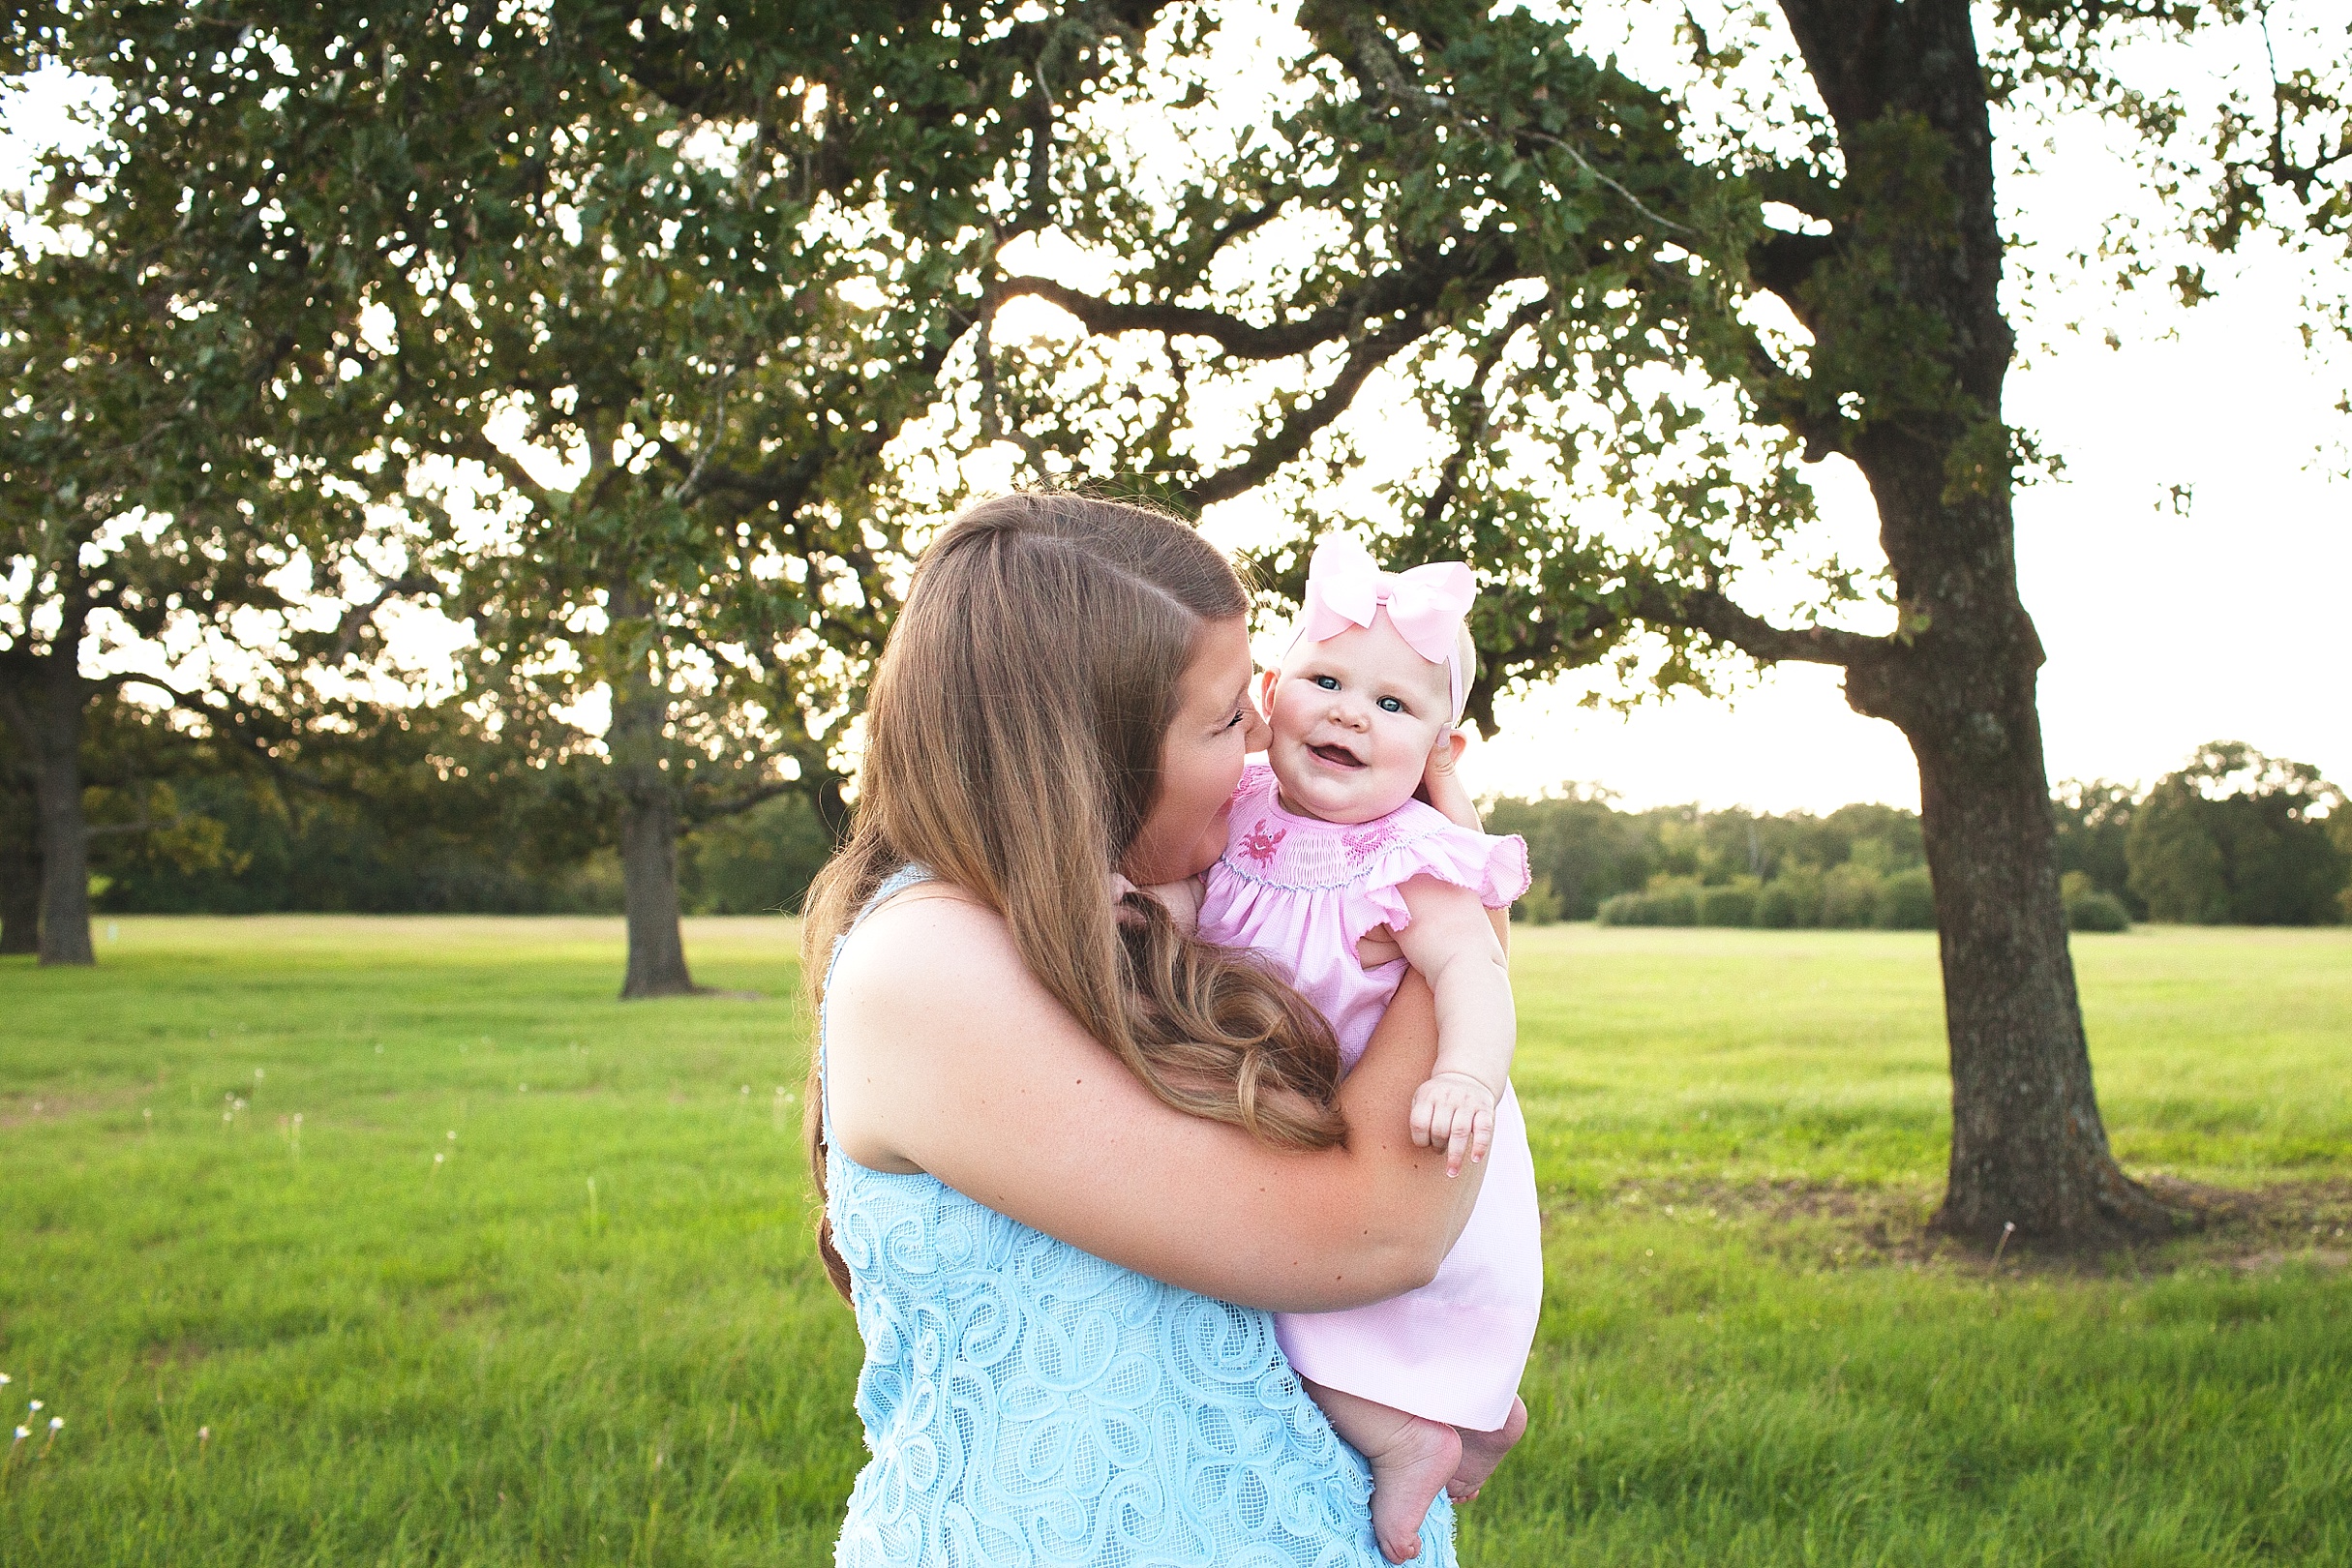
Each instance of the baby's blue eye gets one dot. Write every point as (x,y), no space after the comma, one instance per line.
(1390,705)
(1328,682)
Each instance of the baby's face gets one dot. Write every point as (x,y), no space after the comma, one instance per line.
(1354,720)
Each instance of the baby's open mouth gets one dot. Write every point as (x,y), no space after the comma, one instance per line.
(1336,756)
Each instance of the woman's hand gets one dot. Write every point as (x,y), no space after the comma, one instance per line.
(1442,781)
(944,1054)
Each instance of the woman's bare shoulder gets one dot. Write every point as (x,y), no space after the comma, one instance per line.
(928,1002)
(931,935)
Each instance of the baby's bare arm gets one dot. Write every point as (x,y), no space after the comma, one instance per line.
(1451,942)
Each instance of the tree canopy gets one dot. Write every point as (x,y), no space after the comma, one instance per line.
(616,309)
(1632,295)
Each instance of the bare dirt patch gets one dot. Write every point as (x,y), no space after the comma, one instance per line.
(2252,1230)
(2256,1228)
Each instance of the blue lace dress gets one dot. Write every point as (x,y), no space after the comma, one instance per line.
(1027,1403)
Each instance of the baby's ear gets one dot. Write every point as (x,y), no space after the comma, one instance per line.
(1266,680)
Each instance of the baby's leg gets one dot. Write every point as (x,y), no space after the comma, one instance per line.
(1482,1451)
(1410,1457)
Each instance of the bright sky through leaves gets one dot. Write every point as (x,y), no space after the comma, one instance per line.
(2186,572)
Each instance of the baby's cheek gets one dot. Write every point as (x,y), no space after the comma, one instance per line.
(1288,722)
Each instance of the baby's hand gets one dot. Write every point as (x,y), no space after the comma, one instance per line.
(1457,1111)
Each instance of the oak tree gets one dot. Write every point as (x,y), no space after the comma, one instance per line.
(1630,307)
(630,302)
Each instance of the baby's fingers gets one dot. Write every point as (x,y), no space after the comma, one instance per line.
(1424,1114)
(1457,1144)
(1482,1135)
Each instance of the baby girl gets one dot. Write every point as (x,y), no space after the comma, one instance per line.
(1336,874)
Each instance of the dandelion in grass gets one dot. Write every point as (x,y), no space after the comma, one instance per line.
(22,1433)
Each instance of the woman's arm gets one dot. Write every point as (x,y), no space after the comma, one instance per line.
(945,1055)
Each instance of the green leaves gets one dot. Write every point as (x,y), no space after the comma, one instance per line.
(556,311)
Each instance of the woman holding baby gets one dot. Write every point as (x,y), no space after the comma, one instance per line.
(1160,1100)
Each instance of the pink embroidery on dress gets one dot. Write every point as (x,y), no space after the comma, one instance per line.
(1365,843)
(1259,845)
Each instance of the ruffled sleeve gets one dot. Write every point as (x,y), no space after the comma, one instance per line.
(1494,867)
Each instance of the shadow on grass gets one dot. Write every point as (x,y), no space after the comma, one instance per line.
(1836,1223)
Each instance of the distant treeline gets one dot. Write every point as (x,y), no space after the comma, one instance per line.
(2235,837)
(238,846)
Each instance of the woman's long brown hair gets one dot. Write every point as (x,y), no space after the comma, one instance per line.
(1013,739)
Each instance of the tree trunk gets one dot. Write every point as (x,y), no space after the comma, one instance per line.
(649,825)
(19,873)
(46,713)
(2029,1148)
(1917,263)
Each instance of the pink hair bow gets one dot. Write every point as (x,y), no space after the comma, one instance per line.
(1346,587)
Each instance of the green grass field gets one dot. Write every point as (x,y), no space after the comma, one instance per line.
(376,1241)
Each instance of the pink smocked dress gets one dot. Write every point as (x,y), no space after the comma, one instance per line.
(1304,892)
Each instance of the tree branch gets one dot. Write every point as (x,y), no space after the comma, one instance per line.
(355,619)
(1473,434)
(1291,438)
(1782,261)
(697,812)
(1712,615)
(1406,288)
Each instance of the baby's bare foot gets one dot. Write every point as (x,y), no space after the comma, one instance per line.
(1408,1474)
(1482,1451)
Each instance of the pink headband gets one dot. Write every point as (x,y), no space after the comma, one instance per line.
(1346,587)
